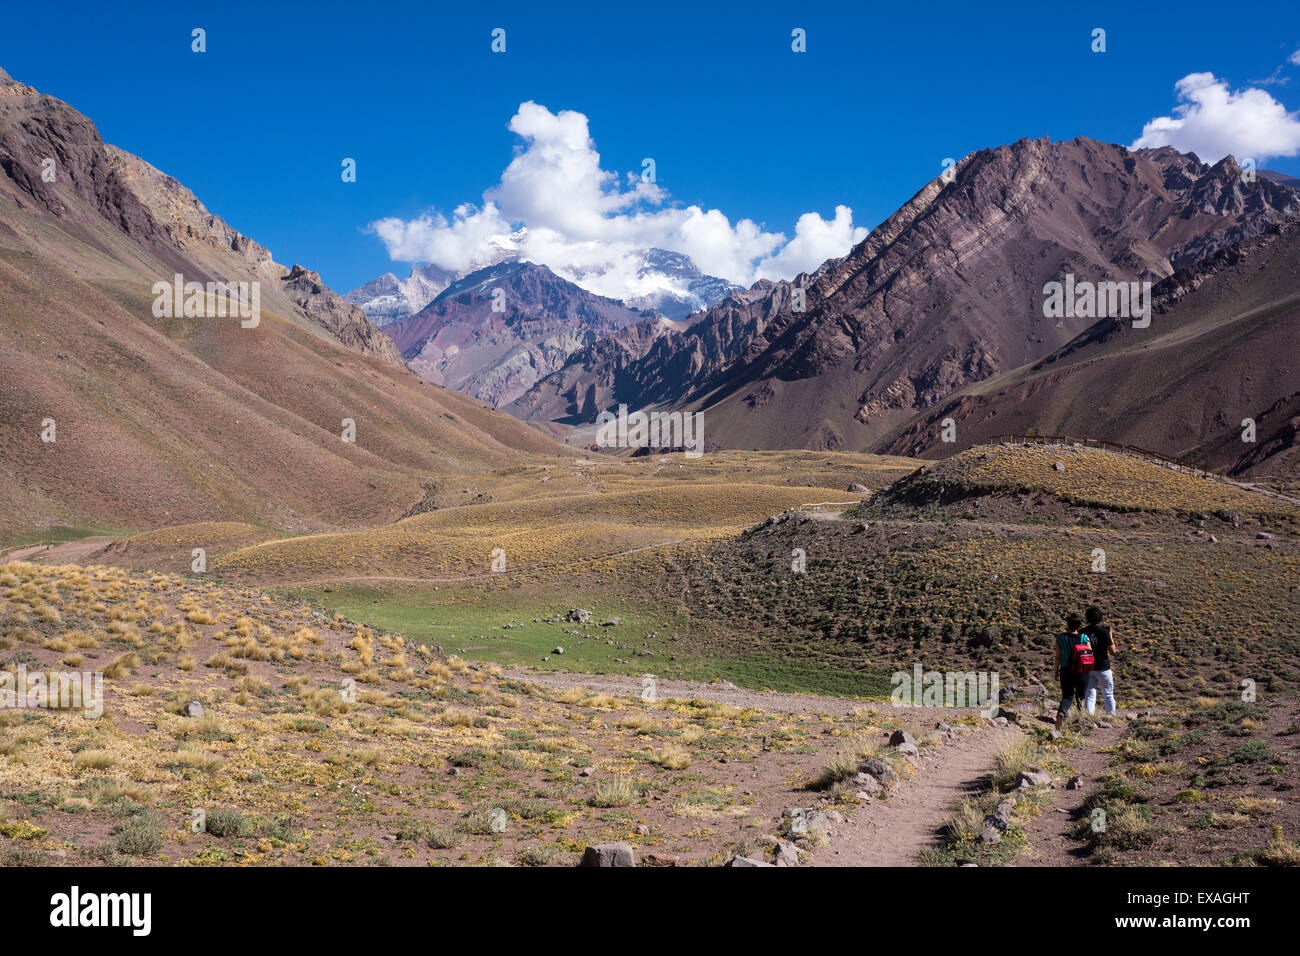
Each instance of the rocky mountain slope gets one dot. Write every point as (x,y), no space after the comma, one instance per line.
(497,331)
(948,291)
(1223,346)
(114,417)
(208,241)
(587,381)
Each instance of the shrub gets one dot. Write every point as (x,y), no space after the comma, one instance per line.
(141,835)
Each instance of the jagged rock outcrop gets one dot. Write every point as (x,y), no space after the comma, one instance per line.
(51,154)
(343,320)
(221,251)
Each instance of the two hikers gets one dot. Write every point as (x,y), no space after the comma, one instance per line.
(1100,678)
(1083,665)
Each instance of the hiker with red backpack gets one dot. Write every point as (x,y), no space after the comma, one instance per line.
(1073,665)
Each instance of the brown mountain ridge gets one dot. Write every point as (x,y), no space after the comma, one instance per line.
(948,291)
(167,420)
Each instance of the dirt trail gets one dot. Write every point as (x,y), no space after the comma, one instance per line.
(1048,842)
(889,832)
(893,832)
(67,552)
(720,693)
(727,693)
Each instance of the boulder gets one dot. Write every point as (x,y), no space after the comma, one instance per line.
(580,614)
(787,854)
(609,854)
(747,861)
(867,784)
(1032,778)
(879,769)
(194,709)
(996,822)
(819,822)
(900,737)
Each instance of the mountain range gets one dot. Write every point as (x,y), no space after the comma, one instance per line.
(947,292)
(113,416)
(668,283)
(938,314)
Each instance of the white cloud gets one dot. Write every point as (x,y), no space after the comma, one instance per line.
(815,240)
(555,205)
(1212,121)
(463,243)
(1294,58)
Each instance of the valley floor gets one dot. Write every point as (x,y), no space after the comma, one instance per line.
(388,695)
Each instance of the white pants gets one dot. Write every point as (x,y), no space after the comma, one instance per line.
(1106,681)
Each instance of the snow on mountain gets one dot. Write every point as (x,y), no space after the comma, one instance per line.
(667,282)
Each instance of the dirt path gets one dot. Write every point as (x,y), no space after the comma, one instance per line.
(893,832)
(67,552)
(727,693)
(720,693)
(1258,489)
(477,576)
(1048,841)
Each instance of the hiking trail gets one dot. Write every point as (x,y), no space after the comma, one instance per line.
(893,832)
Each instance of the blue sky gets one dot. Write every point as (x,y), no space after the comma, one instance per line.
(258,125)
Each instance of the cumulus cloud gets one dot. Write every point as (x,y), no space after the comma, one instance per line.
(1212,121)
(556,205)
(1294,58)
(815,240)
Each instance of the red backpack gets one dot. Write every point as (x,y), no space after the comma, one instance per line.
(1081,658)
